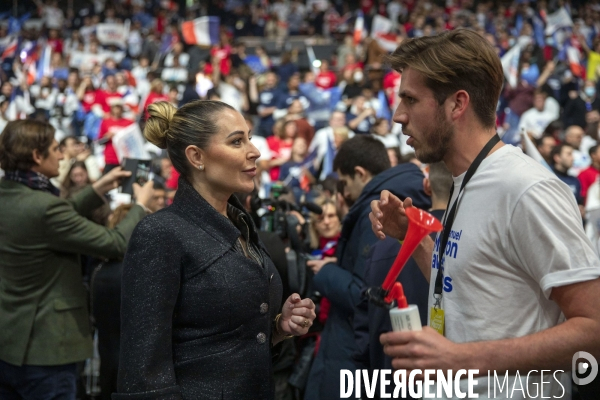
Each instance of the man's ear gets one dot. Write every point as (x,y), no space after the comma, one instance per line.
(195,156)
(459,103)
(37,157)
(362,173)
(427,186)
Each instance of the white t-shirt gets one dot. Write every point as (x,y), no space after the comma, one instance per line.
(53,17)
(517,234)
(265,154)
(390,140)
(535,121)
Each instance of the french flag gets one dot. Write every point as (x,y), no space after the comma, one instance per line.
(203,31)
(43,67)
(359,26)
(575,61)
(11,49)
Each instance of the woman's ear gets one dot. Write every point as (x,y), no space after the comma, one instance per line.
(195,156)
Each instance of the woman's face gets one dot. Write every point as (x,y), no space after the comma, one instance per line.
(290,131)
(299,147)
(79,176)
(230,158)
(328,223)
(382,128)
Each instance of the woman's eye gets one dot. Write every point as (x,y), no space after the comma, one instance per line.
(237,141)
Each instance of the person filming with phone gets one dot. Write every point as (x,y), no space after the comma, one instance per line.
(44,321)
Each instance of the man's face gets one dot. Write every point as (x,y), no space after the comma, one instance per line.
(294,82)
(271,80)
(48,166)
(352,186)
(565,158)
(111,83)
(538,102)
(546,147)
(423,119)
(116,111)
(158,200)
(574,136)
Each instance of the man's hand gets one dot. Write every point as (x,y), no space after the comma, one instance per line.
(144,194)
(316,265)
(110,181)
(388,216)
(425,349)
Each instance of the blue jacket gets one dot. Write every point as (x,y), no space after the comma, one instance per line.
(370,321)
(341,283)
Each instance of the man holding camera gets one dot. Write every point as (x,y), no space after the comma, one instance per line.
(44,322)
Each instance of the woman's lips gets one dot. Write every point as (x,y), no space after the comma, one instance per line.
(251,172)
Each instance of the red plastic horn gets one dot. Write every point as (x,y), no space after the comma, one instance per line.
(420,224)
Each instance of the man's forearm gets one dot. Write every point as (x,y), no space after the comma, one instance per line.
(551,349)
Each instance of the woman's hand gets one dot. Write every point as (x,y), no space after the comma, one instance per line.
(297,316)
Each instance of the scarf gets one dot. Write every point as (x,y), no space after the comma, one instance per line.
(33,180)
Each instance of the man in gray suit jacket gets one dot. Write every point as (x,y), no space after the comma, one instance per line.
(44,323)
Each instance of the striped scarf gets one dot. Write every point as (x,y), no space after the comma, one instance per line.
(33,180)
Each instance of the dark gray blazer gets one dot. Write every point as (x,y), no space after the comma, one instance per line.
(196,314)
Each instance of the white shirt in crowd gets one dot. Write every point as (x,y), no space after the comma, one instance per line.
(184,59)
(535,122)
(53,17)
(516,236)
(390,140)
(230,95)
(265,154)
(581,160)
(174,74)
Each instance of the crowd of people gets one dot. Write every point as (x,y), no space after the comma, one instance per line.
(324,134)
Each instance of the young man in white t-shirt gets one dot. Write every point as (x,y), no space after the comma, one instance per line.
(520,279)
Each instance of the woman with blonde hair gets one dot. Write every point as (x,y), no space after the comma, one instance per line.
(201,298)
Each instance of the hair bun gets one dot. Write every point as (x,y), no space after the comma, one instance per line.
(161,115)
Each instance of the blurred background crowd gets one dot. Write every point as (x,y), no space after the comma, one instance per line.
(308,75)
